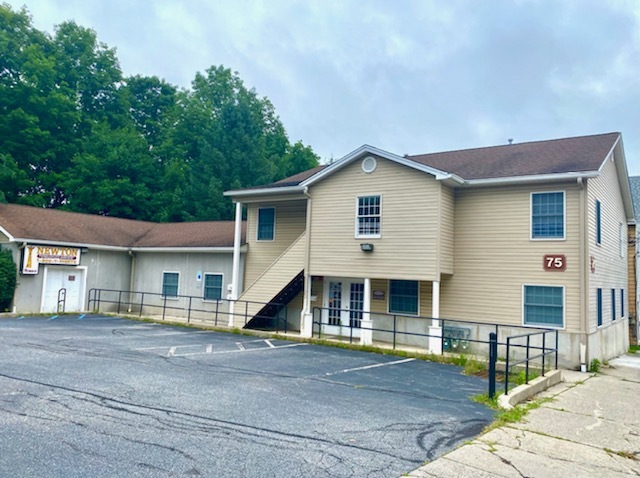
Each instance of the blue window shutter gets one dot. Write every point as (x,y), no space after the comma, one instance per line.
(598,224)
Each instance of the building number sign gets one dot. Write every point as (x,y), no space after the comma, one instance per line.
(554,262)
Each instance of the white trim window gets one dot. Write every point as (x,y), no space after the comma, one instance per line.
(212,286)
(548,215)
(266,230)
(543,306)
(170,284)
(368,216)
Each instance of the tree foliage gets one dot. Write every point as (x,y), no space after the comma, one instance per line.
(8,278)
(76,134)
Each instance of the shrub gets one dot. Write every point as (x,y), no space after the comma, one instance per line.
(8,279)
(594,366)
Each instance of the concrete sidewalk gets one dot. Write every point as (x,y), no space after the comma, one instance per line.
(590,427)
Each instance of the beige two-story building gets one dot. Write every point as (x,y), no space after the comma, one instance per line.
(523,235)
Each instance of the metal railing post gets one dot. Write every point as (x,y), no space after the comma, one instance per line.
(544,350)
(493,357)
(215,319)
(164,306)
(141,303)
(395,328)
(285,320)
(506,367)
(119,301)
(556,350)
(526,364)
(189,310)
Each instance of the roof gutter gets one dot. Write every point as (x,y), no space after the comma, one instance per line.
(226,249)
(262,191)
(533,178)
(101,247)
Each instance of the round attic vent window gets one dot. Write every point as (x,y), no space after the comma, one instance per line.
(369,164)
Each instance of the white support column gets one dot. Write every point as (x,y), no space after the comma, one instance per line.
(306,316)
(235,273)
(435,330)
(366,334)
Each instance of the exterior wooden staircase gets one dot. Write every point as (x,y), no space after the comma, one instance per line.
(276,287)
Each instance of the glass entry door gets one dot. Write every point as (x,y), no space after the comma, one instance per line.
(343,302)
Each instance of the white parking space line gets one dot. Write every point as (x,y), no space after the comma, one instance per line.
(207,349)
(238,351)
(366,367)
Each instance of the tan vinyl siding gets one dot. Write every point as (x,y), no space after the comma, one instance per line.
(288,265)
(610,267)
(407,248)
(495,257)
(446,230)
(290,222)
(382,306)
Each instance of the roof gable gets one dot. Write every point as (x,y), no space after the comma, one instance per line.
(367,150)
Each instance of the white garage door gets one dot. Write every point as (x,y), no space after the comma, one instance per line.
(71,279)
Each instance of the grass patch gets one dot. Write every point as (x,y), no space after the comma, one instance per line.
(504,417)
(624,454)
(594,366)
(634,349)
(475,367)
(521,377)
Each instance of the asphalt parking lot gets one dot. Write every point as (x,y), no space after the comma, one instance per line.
(103,396)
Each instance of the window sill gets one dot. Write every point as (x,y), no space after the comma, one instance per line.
(544,326)
(547,239)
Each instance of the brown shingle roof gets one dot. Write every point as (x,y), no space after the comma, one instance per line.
(39,224)
(568,155)
(190,234)
(298,178)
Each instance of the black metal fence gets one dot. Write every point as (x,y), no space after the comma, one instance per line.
(522,347)
(540,353)
(213,312)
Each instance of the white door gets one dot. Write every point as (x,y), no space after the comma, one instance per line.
(69,280)
(343,305)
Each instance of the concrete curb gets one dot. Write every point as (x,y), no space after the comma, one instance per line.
(524,392)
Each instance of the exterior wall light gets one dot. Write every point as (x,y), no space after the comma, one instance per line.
(366,247)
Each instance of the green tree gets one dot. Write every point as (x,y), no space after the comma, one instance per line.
(8,279)
(75,134)
(114,175)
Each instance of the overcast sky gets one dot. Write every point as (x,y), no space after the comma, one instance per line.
(406,76)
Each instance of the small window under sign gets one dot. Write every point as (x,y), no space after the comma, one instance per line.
(72,278)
